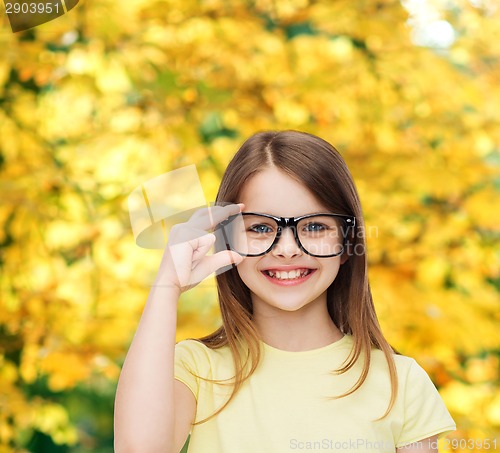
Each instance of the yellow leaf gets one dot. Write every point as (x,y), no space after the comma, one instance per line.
(291,113)
(432,271)
(65,369)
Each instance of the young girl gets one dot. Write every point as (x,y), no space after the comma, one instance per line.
(300,362)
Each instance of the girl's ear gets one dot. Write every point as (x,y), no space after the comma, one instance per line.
(350,240)
(348,248)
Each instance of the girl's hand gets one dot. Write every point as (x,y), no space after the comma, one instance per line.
(185,263)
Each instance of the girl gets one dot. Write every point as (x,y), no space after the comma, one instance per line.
(300,362)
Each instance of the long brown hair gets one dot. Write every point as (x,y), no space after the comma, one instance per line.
(319,166)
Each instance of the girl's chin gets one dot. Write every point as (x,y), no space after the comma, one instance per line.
(268,304)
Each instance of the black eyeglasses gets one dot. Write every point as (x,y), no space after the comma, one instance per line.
(322,235)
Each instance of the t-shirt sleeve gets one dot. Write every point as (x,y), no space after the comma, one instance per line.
(188,364)
(425,413)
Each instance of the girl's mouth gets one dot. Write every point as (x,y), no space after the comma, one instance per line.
(292,277)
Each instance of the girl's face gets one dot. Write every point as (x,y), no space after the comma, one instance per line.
(272,191)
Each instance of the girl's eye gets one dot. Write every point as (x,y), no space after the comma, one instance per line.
(261,229)
(315,227)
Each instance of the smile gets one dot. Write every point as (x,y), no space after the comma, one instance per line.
(294,276)
(283,275)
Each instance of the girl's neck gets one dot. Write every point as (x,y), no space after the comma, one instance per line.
(308,328)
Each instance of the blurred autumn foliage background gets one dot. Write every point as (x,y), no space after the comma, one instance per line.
(115,93)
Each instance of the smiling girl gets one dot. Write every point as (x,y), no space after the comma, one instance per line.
(300,361)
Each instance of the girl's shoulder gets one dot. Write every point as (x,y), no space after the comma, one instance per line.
(404,362)
(195,355)
(198,348)
(410,372)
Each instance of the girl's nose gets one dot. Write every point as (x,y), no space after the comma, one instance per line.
(287,245)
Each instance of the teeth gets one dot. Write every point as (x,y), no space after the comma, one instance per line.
(283,275)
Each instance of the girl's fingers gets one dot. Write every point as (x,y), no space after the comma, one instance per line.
(180,262)
(209,264)
(204,244)
(191,263)
(201,222)
(186,262)
(209,218)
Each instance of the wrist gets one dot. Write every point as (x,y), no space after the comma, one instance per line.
(167,289)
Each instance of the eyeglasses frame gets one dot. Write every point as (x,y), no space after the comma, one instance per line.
(291,222)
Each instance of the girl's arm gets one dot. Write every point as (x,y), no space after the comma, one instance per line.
(428,445)
(153,411)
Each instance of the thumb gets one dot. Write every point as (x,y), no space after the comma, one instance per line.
(235,257)
(224,258)
(211,263)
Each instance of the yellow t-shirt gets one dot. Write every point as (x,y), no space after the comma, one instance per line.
(286,404)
